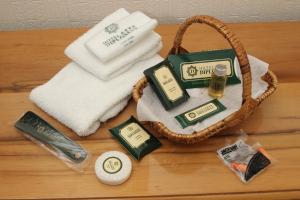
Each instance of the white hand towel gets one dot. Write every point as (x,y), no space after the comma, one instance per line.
(78,52)
(81,101)
(144,57)
(121,35)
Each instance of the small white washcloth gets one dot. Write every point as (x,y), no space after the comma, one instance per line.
(149,107)
(143,49)
(81,101)
(121,35)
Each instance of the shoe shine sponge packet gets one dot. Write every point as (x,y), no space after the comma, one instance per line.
(135,138)
(245,160)
(195,69)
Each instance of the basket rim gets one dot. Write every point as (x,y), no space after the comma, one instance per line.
(213,129)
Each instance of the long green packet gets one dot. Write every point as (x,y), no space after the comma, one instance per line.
(200,113)
(45,135)
(194,69)
(135,138)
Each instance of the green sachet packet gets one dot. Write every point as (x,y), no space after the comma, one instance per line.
(200,113)
(135,138)
(166,85)
(195,69)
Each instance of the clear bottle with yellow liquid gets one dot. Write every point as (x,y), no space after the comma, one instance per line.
(218,81)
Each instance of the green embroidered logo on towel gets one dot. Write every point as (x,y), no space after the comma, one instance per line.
(119,35)
(112,28)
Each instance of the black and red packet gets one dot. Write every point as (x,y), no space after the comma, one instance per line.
(245,160)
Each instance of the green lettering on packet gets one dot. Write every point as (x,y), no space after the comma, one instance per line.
(195,69)
(135,138)
(200,113)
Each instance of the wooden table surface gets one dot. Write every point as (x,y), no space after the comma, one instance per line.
(30,58)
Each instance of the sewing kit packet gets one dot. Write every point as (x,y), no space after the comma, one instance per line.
(200,113)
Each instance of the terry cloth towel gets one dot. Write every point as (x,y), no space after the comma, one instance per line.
(143,49)
(121,35)
(81,101)
(232,99)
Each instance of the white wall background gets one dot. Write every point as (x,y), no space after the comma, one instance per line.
(32,14)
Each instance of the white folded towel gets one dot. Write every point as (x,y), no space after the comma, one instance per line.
(150,54)
(78,52)
(81,101)
(121,35)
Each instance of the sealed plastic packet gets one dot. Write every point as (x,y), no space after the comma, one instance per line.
(43,134)
(245,160)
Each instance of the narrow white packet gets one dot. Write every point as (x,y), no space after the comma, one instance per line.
(119,36)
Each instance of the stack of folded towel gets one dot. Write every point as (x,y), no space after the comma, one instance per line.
(107,62)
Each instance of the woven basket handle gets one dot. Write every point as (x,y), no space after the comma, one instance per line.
(229,36)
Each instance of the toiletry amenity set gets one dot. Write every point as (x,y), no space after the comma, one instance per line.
(185,97)
(240,99)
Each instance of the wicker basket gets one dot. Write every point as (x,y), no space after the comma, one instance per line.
(248,104)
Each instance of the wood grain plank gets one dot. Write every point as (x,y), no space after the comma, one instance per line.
(280,113)
(275,125)
(30,58)
(280,195)
(169,171)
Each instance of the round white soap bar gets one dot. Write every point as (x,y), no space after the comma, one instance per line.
(113,167)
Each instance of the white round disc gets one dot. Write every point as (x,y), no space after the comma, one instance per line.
(113,167)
